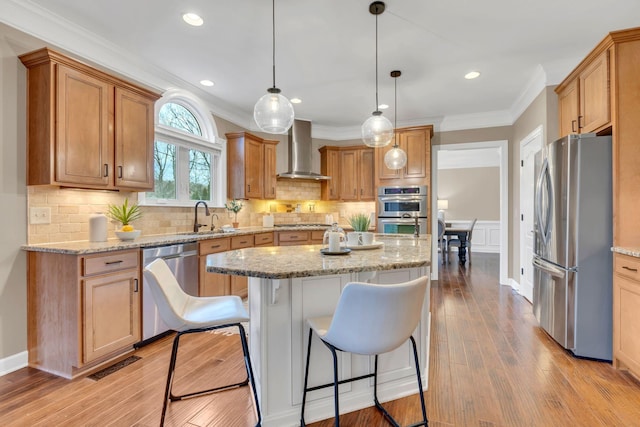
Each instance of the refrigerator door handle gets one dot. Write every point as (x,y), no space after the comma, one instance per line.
(547,267)
(544,178)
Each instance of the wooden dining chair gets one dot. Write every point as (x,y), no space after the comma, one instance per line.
(456,241)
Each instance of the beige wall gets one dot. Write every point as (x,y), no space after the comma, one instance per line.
(471,192)
(542,111)
(13,199)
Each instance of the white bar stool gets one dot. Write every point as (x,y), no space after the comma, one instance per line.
(370,319)
(187,314)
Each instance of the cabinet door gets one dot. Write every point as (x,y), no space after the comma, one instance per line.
(349,175)
(626,323)
(111,313)
(211,284)
(594,95)
(254,169)
(331,167)
(568,105)
(270,179)
(383,171)
(240,286)
(134,135)
(83,139)
(366,175)
(414,144)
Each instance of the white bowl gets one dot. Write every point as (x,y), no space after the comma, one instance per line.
(128,235)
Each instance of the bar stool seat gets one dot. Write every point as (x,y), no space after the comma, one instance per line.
(370,319)
(187,314)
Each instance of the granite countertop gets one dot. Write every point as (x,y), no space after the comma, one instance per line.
(282,262)
(634,252)
(85,247)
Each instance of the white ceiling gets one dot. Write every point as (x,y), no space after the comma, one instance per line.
(325,52)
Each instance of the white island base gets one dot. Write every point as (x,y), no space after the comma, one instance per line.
(278,339)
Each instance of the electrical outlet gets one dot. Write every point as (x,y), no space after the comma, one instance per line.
(40,216)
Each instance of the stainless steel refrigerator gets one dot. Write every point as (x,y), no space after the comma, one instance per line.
(572,292)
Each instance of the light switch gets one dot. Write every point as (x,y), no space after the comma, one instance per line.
(40,216)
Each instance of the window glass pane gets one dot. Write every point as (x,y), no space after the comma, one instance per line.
(199,175)
(164,171)
(177,116)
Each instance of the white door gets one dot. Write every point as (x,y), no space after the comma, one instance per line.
(529,147)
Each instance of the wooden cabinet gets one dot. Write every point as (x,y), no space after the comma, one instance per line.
(250,167)
(330,166)
(83,311)
(86,129)
(214,284)
(299,237)
(626,316)
(584,99)
(416,143)
(270,177)
(357,167)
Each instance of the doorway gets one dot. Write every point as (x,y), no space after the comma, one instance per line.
(503,153)
(530,146)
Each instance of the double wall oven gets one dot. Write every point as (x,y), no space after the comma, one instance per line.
(398,208)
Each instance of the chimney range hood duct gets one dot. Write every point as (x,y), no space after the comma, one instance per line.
(300,153)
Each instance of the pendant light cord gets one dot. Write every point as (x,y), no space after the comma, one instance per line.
(273,34)
(395,110)
(376,63)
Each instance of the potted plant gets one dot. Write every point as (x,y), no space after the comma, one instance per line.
(125,214)
(234,206)
(360,236)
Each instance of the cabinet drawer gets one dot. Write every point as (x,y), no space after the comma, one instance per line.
(239,242)
(263,239)
(317,236)
(294,236)
(116,261)
(213,246)
(627,266)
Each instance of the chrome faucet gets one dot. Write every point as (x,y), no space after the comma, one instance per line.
(416,226)
(196,226)
(213,226)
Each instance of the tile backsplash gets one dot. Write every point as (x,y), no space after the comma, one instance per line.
(298,202)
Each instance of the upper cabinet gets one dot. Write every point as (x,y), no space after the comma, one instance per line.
(251,166)
(416,143)
(86,128)
(584,97)
(330,166)
(352,173)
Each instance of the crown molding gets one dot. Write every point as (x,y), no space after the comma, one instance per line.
(67,36)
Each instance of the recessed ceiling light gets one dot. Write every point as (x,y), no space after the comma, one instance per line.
(193,19)
(206,83)
(383,106)
(295,100)
(472,75)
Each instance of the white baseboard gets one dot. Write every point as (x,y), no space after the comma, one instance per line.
(14,362)
(514,285)
(486,236)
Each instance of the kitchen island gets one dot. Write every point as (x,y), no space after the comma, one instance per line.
(289,284)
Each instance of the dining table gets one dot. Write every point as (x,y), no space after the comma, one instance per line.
(462,233)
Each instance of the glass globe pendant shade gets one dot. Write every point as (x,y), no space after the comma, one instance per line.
(273,112)
(377,131)
(395,158)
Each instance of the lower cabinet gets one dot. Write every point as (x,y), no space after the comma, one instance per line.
(626,316)
(83,311)
(303,237)
(215,284)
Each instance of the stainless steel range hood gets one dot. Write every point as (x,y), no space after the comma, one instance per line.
(300,153)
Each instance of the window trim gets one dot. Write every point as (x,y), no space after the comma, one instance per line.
(209,141)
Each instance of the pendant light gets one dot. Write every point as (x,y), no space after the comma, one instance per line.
(377,130)
(395,158)
(273,112)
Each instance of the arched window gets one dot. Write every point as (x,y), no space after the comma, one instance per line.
(189,160)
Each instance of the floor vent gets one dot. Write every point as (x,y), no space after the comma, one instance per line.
(114,368)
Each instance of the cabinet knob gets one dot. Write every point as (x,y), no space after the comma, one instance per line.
(119,171)
(635,270)
(106,170)
(573,126)
(135,285)
(580,126)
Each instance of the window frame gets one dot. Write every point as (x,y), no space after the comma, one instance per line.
(184,141)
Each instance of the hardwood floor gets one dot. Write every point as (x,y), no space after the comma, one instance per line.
(490,366)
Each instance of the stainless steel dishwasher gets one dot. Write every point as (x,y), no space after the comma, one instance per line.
(182,259)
